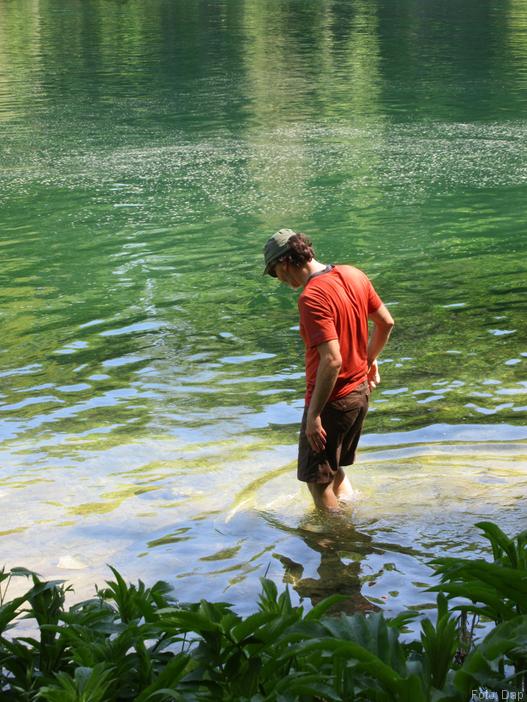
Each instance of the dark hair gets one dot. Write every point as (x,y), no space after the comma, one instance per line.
(300,253)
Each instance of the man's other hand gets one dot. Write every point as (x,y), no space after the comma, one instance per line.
(315,433)
(373,375)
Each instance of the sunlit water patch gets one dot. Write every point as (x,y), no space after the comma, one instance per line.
(283,170)
(214,518)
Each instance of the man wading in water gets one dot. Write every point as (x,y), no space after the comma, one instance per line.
(341,363)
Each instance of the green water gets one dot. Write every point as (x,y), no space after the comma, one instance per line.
(151,379)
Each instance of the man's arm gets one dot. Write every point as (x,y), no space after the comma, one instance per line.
(382,327)
(327,374)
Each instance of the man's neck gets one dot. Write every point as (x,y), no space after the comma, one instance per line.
(311,268)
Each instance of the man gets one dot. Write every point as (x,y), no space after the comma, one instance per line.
(341,361)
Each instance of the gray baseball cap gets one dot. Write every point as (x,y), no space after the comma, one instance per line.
(276,246)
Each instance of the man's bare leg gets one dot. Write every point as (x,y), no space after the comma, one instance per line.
(324,496)
(342,486)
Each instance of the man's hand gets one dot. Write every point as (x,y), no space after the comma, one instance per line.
(315,433)
(373,375)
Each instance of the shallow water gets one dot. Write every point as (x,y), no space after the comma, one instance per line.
(151,380)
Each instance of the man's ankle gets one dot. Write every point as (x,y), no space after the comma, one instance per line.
(324,496)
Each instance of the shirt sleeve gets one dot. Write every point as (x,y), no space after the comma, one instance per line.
(374,301)
(317,320)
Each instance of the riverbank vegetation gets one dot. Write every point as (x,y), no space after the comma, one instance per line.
(133,642)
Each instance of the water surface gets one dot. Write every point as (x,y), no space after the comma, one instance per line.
(151,379)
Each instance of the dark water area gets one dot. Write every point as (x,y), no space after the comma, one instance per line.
(151,380)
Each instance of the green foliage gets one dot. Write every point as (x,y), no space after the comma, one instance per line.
(87,685)
(497,590)
(439,644)
(485,665)
(133,602)
(137,643)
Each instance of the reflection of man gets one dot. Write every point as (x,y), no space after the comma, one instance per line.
(341,363)
(342,549)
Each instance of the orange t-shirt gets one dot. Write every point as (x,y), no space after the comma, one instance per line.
(336,305)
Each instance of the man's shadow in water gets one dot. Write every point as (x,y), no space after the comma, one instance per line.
(342,548)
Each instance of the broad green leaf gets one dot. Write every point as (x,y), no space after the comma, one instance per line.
(384,673)
(402,620)
(9,611)
(439,643)
(507,582)
(372,632)
(499,541)
(18,571)
(477,592)
(307,685)
(168,678)
(322,607)
(184,620)
(251,625)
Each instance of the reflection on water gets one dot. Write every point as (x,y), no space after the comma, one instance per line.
(342,548)
(151,380)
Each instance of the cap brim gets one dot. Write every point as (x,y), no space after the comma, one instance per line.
(266,270)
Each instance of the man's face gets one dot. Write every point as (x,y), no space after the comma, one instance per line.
(285,275)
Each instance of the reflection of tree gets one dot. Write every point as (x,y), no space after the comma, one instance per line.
(326,70)
(275,90)
(517,39)
(341,548)
(350,90)
(20,44)
(440,59)
(351,85)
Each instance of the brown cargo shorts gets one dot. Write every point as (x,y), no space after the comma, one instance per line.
(342,419)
